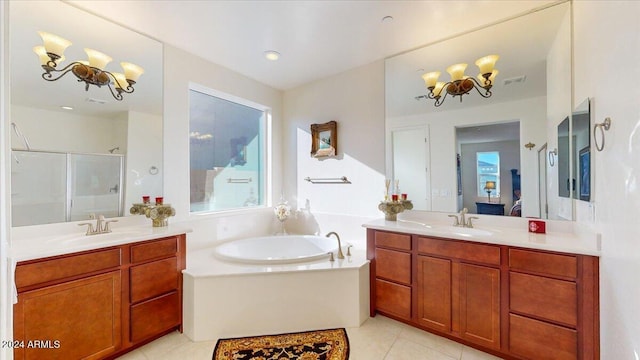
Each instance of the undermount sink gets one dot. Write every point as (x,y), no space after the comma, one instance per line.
(98,238)
(461,231)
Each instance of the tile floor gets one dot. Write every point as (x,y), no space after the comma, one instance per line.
(377,339)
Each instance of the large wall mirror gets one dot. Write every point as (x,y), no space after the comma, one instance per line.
(78,151)
(483,153)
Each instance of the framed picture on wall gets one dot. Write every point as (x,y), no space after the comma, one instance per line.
(324,139)
(584,161)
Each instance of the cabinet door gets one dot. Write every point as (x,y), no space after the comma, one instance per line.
(79,319)
(434,293)
(480,305)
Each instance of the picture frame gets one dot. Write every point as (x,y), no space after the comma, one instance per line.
(584,162)
(324,139)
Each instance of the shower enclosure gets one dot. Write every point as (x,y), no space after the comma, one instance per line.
(51,187)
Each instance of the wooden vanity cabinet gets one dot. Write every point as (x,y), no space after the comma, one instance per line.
(459,289)
(513,302)
(100,303)
(393,280)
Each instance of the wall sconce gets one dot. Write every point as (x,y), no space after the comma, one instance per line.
(488,186)
(529,145)
(459,83)
(90,72)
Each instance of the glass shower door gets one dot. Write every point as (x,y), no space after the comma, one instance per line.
(38,187)
(95,185)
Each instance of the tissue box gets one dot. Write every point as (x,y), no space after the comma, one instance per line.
(537,226)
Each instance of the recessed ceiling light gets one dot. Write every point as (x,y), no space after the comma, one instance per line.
(272,55)
(66,107)
(387,19)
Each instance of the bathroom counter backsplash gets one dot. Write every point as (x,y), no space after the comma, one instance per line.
(27,244)
(561,236)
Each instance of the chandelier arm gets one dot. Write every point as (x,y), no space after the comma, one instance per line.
(129,89)
(488,91)
(49,71)
(440,100)
(116,94)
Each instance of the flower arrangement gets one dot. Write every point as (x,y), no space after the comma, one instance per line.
(282,211)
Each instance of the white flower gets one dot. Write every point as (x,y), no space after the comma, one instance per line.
(282,211)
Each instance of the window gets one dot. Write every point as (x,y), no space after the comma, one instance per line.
(227,148)
(488,169)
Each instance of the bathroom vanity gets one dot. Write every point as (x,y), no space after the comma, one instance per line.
(101,302)
(516,298)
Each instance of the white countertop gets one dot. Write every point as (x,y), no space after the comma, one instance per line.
(511,232)
(45,245)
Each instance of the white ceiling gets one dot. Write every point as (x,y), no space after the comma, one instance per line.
(316,38)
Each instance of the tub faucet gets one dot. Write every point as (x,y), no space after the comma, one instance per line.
(340,254)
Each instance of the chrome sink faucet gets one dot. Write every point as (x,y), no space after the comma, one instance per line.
(462,221)
(340,254)
(102,226)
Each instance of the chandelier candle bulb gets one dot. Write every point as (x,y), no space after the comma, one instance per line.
(97,59)
(487,63)
(54,44)
(457,71)
(431,79)
(131,71)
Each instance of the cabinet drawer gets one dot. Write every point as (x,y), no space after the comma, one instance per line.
(546,298)
(154,250)
(155,316)
(393,240)
(153,279)
(393,265)
(33,273)
(393,298)
(543,263)
(486,254)
(533,339)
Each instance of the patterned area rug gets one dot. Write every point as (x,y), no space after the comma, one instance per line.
(311,345)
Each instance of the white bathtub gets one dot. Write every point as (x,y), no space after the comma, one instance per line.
(267,289)
(282,249)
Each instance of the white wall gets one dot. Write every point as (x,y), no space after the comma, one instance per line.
(6,317)
(606,55)
(530,113)
(143,147)
(89,134)
(355,99)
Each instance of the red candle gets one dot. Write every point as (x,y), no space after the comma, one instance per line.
(145,199)
(404,196)
(159,200)
(394,197)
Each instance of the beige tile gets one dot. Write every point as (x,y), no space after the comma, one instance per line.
(373,339)
(191,351)
(432,341)
(133,355)
(157,348)
(404,349)
(473,354)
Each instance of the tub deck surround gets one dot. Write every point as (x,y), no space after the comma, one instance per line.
(228,299)
(561,235)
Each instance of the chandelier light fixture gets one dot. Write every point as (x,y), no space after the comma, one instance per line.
(459,83)
(90,72)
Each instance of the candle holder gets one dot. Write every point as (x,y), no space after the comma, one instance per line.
(158,213)
(391,209)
